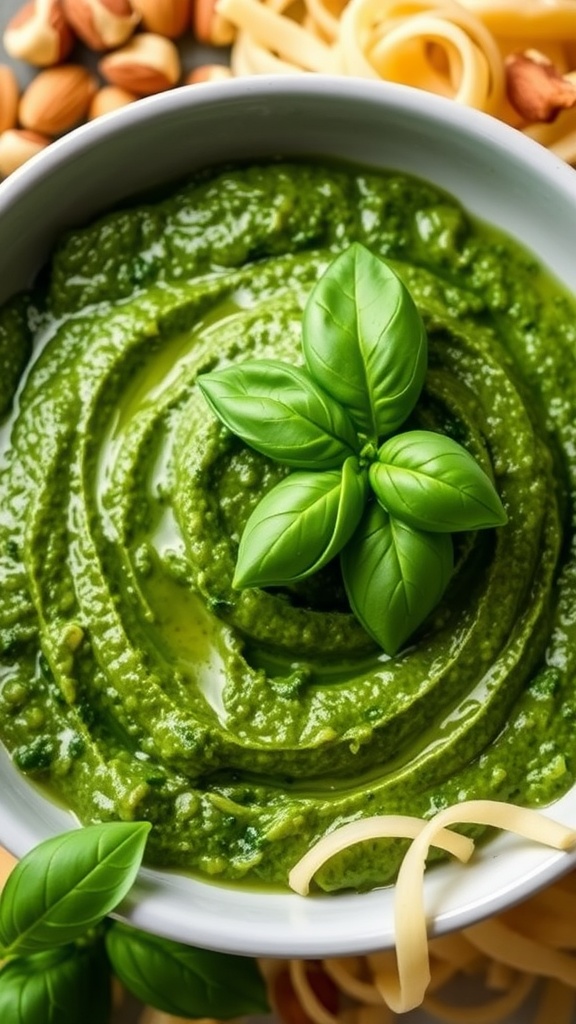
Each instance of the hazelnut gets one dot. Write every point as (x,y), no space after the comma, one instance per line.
(149,63)
(102,24)
(535,88)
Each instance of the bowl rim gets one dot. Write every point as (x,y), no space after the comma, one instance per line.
(286,924)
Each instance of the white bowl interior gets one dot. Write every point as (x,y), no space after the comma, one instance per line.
(501,177)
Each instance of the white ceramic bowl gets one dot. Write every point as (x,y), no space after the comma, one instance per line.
(500,176)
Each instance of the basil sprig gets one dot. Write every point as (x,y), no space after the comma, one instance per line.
(60,949)
(386,502)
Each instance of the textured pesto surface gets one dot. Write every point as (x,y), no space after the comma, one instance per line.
(133,680)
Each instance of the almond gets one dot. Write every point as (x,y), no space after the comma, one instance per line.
(149,63)
(9,97)
(207,73)
(17,146)
(102,24)
(39,34)
(169,18)
(57,99)
(109,98)
(210,27)
(535,88)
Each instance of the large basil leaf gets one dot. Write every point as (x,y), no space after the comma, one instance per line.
(432,483)
(67,985)
(299,525)
(278,410)
(67,884)
(183,980)
(364,341)
(394,575)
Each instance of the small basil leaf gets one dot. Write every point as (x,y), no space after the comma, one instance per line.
(69,883)
(63,986)
(299,525)
(279,410)
(394,575)
(364,341)
(182,980)
(432,483)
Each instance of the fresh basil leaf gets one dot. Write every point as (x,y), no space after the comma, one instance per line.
(432,483)
(67,884)
(183,980)
(394,575)
(364,341)
(67,985)
(299,525)
(279,410)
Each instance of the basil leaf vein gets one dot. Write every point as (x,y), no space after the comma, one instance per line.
(431,482)
(364,341)
(299,525)
(278,410)
(394,575)
(183,980)
(67,884)
(61,986)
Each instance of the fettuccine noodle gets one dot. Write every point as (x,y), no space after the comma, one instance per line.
(530,949)
(466,50)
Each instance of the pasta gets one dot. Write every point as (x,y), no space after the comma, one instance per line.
(514,59)
(529,950)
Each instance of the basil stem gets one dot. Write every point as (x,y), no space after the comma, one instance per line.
(394,575)
(279,410)
(432,483)
(364,341)
(68,884)
(183,980)
(299,525)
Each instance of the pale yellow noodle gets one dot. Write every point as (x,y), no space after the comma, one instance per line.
(406,990)
(278,33)
(505,944)
(385,826)
(490,1012)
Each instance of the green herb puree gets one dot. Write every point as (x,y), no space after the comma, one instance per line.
(134,681)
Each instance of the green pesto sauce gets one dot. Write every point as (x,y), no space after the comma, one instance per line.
(134,681)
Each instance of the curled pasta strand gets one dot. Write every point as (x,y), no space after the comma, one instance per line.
(310,1002)
(522,953)
(489,1012)
(406,990)
(387,826)
(278,33)
(344,972)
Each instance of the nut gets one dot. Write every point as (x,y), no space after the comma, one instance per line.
(57,99)
(39,34)
(17,146)
(102,24)
(535,88)
(149,63)
(169,18)
(207,73)
(9,97)
(209,26)
(109,98)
